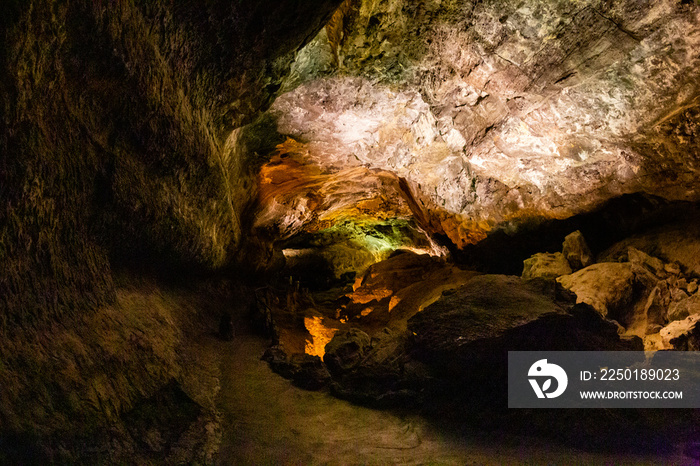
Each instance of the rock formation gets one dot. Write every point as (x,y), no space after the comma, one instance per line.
(359,176)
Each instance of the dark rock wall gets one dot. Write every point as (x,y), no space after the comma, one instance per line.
(113,119)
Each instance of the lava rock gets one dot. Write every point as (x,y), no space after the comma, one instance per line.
(309,372)
(545,266)
(576,251)
(683,335)
(607,286)
(305,370)
(346,350)
(657,304)
(279,362)
(653,264)
(679,310)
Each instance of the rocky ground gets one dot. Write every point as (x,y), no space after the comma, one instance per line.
(418,331)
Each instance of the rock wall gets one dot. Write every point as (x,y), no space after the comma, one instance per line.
(499,112)
(114,121)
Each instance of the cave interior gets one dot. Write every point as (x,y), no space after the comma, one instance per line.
(309,232)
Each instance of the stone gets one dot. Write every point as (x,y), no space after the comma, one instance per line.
(692,286)
(677,242)
(681,309)
(672,331)
(682,335)
(682,283)
(484,308)
(309,372)
(657,304)
(279,362)
(346,350)
(305,370)
(606,286)
(653,264)
(576,251)
(387,375)
(464,338)
(545,266)
(672,268)
(677,293)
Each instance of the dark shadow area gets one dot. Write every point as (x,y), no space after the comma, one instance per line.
(619,218)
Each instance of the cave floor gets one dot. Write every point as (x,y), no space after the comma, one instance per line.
(267,420)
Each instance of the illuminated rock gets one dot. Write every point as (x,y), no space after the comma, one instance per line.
(576,251)
(607,286)
(502,112)
(545,266)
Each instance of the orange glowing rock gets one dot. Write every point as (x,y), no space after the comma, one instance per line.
(320,335)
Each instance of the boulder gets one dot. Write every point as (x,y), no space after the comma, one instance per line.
(346,350)
(545,266)
(485,308)
(309,372)
(679,310)
(464,338)
(657,304)
(652,264)
(682,335)
(678,294)
(672,268)
(502,311)
(607,286)
(387,376)
(576,251)
(305,370)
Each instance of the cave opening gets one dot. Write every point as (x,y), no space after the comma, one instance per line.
(311,232)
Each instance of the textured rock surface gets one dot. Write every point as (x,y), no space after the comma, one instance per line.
(546,266)
(497,111)
(577,251)
(676,243)
(485,308)
(608,287)
(679,310)
(346,350)
(114,121)
(115,147)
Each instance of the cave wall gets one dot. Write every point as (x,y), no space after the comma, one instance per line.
(114,120)
(497,113)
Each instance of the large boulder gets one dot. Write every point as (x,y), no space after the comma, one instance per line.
(464,338)
(485,308)
(608,287)
(499,311)
(545,266)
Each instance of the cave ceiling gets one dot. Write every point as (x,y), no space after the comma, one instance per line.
(462,118)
